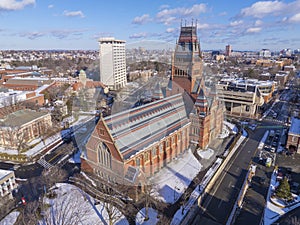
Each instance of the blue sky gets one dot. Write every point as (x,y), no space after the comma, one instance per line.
(77,24)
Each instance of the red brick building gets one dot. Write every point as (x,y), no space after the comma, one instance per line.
(145,138)
(187,76)
(293,141)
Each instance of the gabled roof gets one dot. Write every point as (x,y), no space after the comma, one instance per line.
(137,128)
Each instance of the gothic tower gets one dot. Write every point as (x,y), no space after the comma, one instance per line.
(186,63)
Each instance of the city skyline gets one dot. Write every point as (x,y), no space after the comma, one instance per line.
(53,24)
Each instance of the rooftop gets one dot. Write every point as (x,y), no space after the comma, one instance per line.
(295,126)
(21,117)
(136,129)
(4,173)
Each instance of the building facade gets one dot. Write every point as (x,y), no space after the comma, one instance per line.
(187,77)
(228,50)
(293,141)
(244,97)
(112,63)
(7,182)
(20,127)
(142,139)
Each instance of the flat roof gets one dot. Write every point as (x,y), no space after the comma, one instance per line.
(4,173)
(295,126)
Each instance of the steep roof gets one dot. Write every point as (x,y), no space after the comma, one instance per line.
(135,129)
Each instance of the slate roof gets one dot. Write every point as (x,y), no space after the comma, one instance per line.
(137,128)
(18,118)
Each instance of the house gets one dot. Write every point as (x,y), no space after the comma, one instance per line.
(293,141)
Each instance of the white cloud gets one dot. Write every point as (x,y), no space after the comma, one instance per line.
(236,23)
(202,26)
(32,35)
(141,19)
(50,6)
(168,16)
(14,4)
(164,7)
(138,35)
(73,13)
(263,8)
(295,18)
(253,30)
(258,23)
(170,30)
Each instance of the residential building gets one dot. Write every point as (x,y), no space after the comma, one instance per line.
(293,141)
(112,63)
(144,139)
(265,53)
(7,182)
(20,127)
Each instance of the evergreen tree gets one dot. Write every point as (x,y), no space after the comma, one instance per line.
(283,190)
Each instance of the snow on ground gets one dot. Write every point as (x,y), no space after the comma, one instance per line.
(206,154)
(272,211)
(139,220)
(174,178)
(76,158)
(77,205)
(231,126)
(10,218)
(225,133)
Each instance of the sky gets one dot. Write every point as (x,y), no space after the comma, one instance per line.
(78,24)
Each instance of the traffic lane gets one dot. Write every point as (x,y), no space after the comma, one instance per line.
(231,179)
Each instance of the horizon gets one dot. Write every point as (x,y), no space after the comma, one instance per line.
(247,26)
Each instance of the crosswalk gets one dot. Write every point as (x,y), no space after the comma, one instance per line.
(44,163)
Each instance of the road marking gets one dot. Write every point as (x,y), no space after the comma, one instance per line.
(229,185)
(220,203)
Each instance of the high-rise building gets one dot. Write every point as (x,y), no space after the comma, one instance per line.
(112,63)
(228,50)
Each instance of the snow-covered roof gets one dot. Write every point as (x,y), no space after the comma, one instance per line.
(295,126)
(4,173)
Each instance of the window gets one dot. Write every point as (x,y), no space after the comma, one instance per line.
(153,152)
(101,131)
(146,156)
(104,155)
(247,108)
(172,140)
(161,148)
(167,143)
(138,162)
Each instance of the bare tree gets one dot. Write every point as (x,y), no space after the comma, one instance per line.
(69,209)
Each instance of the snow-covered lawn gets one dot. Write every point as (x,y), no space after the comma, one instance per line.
(173,179)
(152,214)
(206,154)
(10,219)
(73,204)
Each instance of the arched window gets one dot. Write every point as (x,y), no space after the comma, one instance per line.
(104,155)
